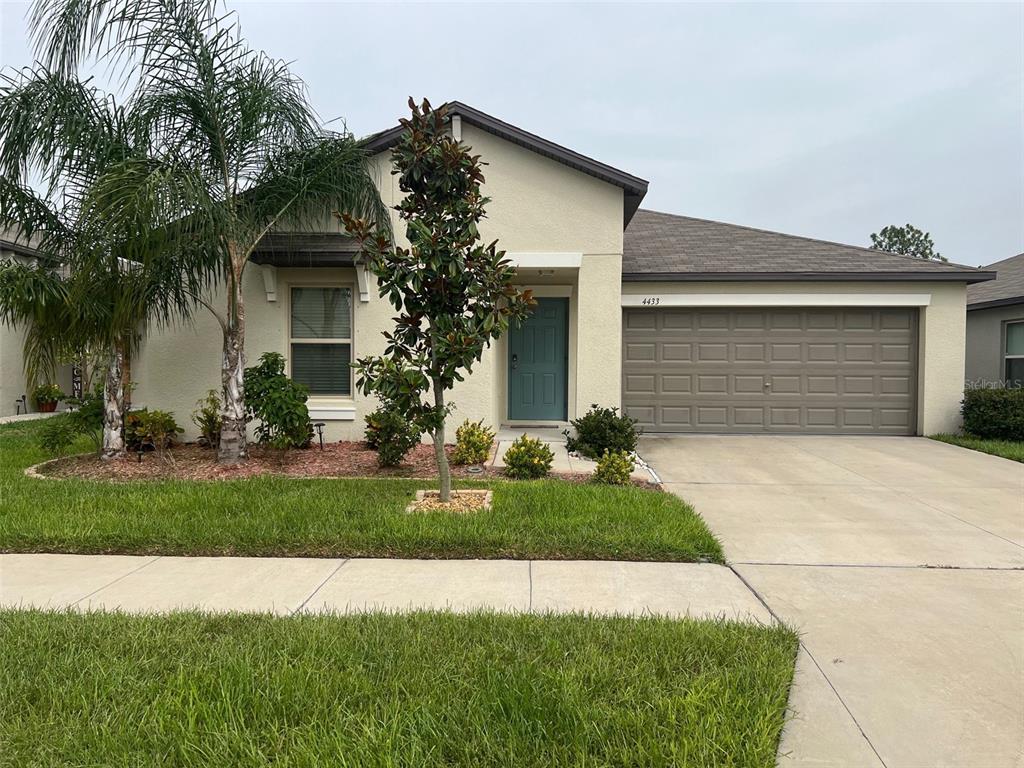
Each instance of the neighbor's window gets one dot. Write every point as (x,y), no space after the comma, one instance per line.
(1013,356)
(321,339)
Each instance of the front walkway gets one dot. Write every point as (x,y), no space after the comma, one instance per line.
(289,585)
(899,560)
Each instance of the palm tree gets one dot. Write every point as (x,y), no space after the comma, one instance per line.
(97,284)
(236,150)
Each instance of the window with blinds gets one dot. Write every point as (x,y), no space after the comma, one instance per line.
(320,331)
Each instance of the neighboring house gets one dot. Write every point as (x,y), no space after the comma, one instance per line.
(15,392)
(995,326)
(688,325)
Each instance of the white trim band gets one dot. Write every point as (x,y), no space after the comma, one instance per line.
(651,300)
(346,413)
(523,260)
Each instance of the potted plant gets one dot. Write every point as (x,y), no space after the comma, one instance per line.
(45,396)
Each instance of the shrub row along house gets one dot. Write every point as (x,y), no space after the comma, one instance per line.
(688,325)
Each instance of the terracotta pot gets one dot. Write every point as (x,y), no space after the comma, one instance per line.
(49,407)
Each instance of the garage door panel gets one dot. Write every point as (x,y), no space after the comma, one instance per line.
(813,370)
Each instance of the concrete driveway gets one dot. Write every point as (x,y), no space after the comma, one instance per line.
(900,560)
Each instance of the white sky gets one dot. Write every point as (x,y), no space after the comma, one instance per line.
(827,120)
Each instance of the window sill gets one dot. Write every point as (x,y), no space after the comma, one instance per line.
(331,409)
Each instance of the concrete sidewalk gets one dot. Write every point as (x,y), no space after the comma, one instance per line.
(291,585)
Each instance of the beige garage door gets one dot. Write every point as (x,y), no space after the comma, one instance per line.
(771,370)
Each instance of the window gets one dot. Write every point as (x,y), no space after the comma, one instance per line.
(321,339)
(1013,355)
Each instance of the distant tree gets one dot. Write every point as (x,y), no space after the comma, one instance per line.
(907,240)
(453,293)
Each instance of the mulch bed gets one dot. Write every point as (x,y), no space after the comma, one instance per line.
(192,462)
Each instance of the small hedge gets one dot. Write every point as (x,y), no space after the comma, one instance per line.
(994,413)
(528,459)
(614,468)
(600,430)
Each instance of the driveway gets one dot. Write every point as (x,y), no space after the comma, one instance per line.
(901,561)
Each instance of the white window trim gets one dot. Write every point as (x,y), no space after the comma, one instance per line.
(327,407)
(1006,342)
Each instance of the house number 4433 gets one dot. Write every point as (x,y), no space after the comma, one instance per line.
(651,301)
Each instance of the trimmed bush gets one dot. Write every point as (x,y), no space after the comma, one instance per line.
(614,468)
(391,435)
(994,413)
(150,429)
(600,430)
(528,458)
(473,443)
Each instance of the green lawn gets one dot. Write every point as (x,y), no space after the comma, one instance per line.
(384,690)
(352,518)
(1008,449)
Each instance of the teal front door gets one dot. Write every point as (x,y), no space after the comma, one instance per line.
(538,364)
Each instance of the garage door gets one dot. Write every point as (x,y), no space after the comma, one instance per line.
(771,370)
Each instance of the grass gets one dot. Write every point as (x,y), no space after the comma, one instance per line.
(275,516)
(1007,449)
(384,690)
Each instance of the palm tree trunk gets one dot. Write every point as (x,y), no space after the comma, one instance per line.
(113,406)
(444,472)
(233,448)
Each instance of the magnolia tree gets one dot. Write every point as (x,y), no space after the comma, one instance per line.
(454,295)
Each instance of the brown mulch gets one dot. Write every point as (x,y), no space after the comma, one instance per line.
(461,502)
(193,462)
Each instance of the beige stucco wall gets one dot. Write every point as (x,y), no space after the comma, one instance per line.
(12,376)
(986,330)
(537,206)
(941,344)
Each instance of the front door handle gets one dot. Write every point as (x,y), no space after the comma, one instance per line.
(515,362)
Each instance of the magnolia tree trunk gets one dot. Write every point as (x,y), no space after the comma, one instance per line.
(232,447)
(113,406)
(444,473)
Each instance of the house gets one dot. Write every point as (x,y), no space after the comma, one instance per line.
(995,326)
(689,325)
(15,393)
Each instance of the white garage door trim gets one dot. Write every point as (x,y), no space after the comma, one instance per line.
(776,299)
(848,370)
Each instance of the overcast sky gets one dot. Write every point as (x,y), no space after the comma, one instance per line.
(826,120)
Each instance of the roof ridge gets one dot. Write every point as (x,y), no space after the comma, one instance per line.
(811,239)
(1002,261)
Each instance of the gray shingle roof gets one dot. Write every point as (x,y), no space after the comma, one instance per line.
(1007,288)
(664,246)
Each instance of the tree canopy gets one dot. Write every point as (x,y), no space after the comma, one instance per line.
(907,240)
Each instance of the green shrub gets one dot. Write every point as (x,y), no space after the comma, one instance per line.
(278,403)
(614,468)
(206,417)
(994,413)
(600,430)
(391,435)
(84,417)
(528,458)
(57,434)
(46,393)
(150,429)
(473,443)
